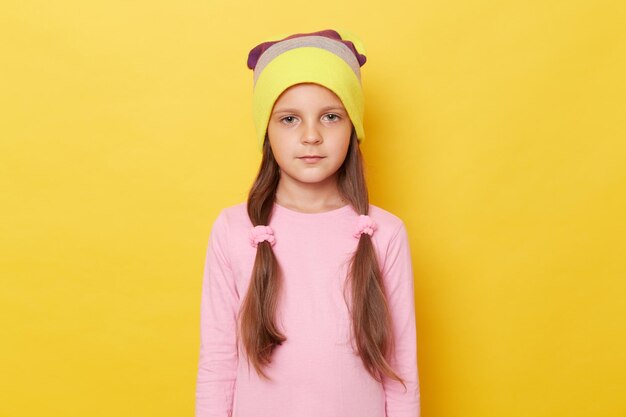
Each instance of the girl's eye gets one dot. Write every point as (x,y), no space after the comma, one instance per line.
(289,119)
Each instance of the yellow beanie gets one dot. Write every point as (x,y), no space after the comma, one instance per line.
(331,58)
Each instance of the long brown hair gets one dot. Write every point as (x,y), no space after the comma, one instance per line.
(371,321)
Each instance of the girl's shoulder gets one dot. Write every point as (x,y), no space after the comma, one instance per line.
(234,215)
(240,208)
(386,220)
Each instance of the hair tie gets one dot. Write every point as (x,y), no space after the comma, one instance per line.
(261,233)
(364,225)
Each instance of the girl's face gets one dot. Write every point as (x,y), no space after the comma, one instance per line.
(309,120)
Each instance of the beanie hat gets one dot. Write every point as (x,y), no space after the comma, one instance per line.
(331,58)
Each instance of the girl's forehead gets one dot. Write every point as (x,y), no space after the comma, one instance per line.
(307,91)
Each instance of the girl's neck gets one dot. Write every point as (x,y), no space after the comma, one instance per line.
(311,198)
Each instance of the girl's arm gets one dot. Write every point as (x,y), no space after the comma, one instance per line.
(398,275)
(217,365)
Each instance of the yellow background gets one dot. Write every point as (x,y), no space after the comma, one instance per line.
(494,129)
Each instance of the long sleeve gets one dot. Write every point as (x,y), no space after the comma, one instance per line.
(217,365)
(398,277)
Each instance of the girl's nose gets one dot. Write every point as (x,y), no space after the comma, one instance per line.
(312,133)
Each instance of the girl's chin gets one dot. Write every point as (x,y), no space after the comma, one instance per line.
(314,179)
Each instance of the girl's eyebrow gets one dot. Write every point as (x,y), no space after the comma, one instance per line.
(290,110)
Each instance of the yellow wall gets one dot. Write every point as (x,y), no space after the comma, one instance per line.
(494,129)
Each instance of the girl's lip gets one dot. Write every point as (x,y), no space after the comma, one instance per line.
(311,159)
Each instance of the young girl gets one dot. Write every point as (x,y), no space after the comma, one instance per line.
(307,305)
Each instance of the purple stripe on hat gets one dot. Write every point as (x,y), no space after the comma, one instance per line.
(257,51)
(331,45)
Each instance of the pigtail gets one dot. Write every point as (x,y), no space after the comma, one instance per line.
(258,329)
(371,320)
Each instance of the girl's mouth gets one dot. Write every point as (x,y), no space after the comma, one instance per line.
(311,159)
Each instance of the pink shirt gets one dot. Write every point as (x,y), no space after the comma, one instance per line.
(314,372)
